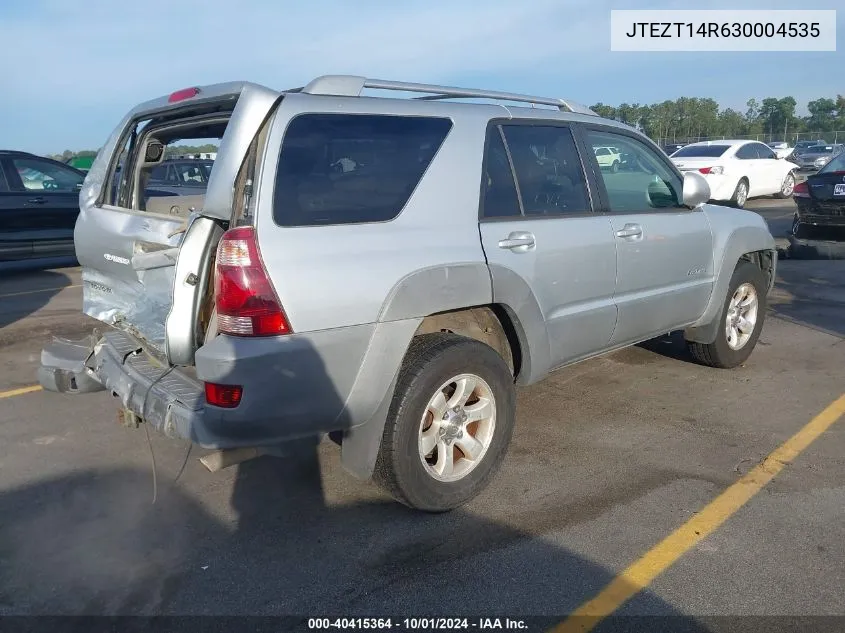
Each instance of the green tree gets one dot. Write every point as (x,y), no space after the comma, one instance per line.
(822,115)
(605,111)
(732,123)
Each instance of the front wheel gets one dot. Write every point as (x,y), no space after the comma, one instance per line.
(615,166)
(740,196)
(742,319)
(450,423)
(787,187)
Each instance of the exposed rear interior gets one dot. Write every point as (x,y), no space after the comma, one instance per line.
(157,182)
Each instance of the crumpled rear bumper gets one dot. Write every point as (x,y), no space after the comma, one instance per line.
(63,367)
(294,386)
(164,397)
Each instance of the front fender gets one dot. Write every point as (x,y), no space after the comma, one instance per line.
(735,233)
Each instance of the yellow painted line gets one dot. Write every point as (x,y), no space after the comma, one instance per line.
(19,392)
(666,553)
(32,292)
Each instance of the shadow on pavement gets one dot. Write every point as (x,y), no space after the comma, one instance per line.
(22,294)
(92,543)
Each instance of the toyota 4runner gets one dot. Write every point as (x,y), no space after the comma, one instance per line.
(387,270)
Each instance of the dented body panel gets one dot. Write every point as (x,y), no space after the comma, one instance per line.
(130,258)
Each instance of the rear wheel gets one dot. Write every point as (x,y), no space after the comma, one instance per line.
(742,318)
(787,187)
(450,423)
(740,196)
(615,166)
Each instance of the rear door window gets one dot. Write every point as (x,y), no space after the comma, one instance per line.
(548,169)
(348,168)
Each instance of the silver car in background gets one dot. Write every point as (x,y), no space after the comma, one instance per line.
(817,156)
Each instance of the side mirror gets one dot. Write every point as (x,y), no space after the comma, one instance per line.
(696,189)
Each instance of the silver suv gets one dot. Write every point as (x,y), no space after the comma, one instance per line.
(387,270)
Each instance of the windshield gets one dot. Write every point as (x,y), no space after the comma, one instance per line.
(703,151)
(836,164)
(820,149)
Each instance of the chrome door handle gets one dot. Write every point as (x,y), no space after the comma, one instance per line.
(630,230)
(518,241)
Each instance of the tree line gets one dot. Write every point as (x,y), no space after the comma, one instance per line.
(683,118)
(694,117)
(171,150)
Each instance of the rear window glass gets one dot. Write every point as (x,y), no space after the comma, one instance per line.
(347,168)
(705,151)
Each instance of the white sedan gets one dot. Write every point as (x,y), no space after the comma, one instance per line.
(738,170)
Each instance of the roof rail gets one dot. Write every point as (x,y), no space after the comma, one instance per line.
(353,85)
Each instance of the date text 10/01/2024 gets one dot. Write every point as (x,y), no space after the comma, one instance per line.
(725,29)
(415,624)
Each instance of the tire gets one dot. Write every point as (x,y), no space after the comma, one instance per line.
(615,166)
(738,199)
(786,187)
(401,470)
(720,352)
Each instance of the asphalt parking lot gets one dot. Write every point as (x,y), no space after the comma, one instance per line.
(609,458)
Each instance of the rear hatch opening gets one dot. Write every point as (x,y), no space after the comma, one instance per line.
(152,212)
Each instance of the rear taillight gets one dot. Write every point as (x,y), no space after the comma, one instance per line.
(224,396)
(801,190)
(712,170)
(246,302)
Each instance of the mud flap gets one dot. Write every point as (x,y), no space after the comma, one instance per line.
(360,445)
(63,366)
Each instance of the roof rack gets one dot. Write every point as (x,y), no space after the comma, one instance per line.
(353,85)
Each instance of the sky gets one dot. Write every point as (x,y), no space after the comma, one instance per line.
(73,69)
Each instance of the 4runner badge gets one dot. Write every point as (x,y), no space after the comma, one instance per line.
(116,259)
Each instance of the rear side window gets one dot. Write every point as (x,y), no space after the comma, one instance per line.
(747,152)
(701,151)
(348,168)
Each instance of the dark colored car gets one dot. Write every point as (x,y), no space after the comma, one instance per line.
(802,146)
(179,176)
(39,204)
(821,198)
(817,156)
